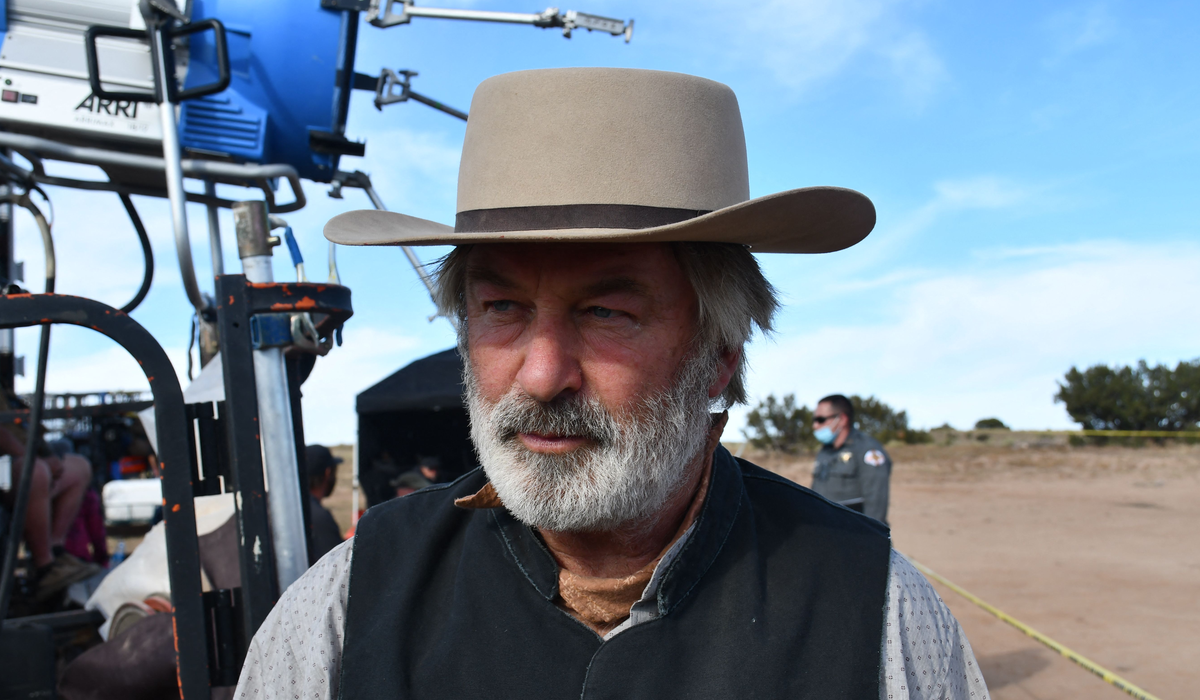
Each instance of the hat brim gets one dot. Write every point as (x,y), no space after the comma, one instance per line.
(807,220)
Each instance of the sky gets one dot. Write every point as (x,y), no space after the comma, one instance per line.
(1033,166)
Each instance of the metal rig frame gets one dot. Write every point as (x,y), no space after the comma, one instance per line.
(211,629)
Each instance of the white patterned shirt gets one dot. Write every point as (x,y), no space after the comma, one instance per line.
(296,654)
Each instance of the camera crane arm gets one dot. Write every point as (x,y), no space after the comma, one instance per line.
(380,13)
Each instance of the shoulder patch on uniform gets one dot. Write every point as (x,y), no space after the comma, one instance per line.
(874,458)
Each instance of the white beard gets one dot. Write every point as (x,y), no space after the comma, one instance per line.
(638,458)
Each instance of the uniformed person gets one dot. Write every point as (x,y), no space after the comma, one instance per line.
(852,467)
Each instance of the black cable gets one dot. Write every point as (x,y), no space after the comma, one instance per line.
(45,198)
(147,253)
(23,200)
(192,343)
(21,503)
(16,529)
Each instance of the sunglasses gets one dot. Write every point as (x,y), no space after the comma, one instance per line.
(821,420)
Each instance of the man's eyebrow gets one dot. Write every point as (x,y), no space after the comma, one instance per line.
(489,276)
(616,285)
(620,284)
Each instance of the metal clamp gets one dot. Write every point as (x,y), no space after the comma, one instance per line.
(389,80)
(294,330)
(385,86)
(306,338)
(270,331)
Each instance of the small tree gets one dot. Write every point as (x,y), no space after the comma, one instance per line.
(780,425)
(885,424)
(878,419)
(783,426)
(1133,398)
(990,424)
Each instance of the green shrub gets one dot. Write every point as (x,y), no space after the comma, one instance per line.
(1133,398)
(780,425)
(783,426)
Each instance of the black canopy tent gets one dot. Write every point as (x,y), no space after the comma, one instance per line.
(413,415)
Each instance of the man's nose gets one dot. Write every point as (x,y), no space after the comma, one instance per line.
(551,364)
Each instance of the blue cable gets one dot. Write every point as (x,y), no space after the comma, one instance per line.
(293,247)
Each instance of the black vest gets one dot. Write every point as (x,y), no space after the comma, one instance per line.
(778,593)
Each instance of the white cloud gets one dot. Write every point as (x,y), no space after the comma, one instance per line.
(808,42)
(1081,28)
(992,340)
(950,196)
(984,192)
(416,172)
(82,361)
(915,65)
(370,354)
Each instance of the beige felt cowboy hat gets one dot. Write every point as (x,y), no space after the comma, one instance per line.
(613,154)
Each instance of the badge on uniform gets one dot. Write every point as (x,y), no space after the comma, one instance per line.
(874,458)
(845,456)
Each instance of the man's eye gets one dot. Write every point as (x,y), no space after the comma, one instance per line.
(502,305)
(601,312)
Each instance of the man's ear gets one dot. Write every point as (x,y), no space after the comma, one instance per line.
(728,363)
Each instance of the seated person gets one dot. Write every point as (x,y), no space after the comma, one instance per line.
(87,539)
(426,473)
(55,494)
(322,478)
(410,481)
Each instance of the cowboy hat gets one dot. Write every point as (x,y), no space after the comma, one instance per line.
(615,155)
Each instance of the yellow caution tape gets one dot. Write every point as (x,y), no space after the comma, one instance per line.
(1107,675)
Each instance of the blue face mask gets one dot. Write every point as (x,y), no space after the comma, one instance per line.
(826,434)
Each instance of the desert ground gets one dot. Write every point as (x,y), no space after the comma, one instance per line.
(1096,547)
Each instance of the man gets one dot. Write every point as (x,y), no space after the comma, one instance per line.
(608,547)
(410,481)
(322,478)
(424,475)
(852,467)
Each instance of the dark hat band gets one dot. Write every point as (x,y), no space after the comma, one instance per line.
(568,216)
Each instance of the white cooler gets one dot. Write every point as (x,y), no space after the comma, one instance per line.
(132,501)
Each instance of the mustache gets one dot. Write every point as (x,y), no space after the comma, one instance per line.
(573,415)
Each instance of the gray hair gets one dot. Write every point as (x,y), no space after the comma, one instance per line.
(733,296)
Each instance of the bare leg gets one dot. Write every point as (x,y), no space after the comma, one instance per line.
(37,516)
(66,494)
